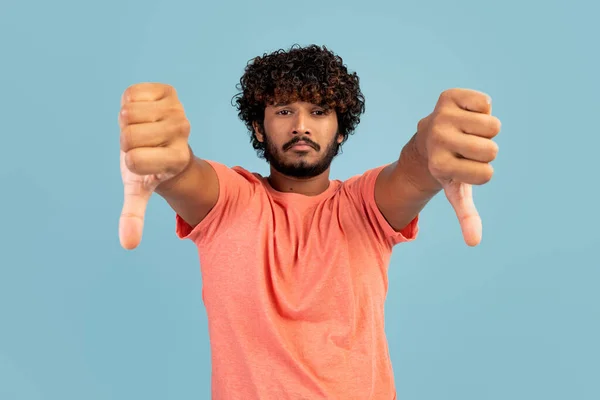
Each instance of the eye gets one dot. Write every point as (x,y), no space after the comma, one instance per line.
(320,112)
(283,112)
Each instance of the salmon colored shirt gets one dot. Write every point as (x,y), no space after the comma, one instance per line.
(294,288)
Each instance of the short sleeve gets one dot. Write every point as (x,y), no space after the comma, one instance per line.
(361,191)
(237,187)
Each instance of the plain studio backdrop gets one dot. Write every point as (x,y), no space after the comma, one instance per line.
(515,318)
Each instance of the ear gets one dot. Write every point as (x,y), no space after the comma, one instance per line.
(340,138)
(257,132)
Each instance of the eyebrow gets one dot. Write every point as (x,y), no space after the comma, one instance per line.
(282,104)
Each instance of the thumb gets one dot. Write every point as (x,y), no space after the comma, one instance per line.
(136,194)
(131,222)
(460,196)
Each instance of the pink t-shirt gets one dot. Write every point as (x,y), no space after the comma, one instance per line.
(294,288)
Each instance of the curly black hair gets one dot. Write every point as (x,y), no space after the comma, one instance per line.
(312,74)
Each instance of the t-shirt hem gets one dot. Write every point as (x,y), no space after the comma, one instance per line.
(407,234)
(185,231)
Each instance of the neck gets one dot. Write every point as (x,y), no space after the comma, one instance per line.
(306,186)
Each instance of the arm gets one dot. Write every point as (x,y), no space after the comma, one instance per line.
(156,157)
(451,151)
(192,193)
(404,187)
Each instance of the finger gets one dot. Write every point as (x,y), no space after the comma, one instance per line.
(131,222)
(146,92)
(140,112)
(460,196)
(473,147)
(477,124)
(467,99)
(156,160)
(151,134)
(464,170)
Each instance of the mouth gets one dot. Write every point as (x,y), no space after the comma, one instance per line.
(301,146)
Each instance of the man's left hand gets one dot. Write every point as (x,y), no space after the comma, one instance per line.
(456,139)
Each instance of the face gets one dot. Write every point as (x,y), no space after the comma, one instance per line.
(300,139)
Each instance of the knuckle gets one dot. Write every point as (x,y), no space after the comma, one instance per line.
(176,108)
(184,156)
(438,134)
(171,110)
(437,119)
(163,88)
(445,115)
(486,125)
(493,150)
(436,123)
(146,90)
(480,97)
(491,124)
(131,161)
(496,125)
(486,174)
(447,94)
(170,89)
(127,138)
(131,92)
(437,165)
(178,159)
(126,112)
(156,87)
(183,127)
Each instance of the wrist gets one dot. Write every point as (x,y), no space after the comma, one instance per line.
(166,185)
(414,160)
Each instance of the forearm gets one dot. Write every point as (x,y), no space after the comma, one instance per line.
(413,166)
(405,187)
(192,193)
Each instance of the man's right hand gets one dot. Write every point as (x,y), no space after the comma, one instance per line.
(154,149)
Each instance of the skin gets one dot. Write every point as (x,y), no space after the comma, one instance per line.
(282,123)
(451,151)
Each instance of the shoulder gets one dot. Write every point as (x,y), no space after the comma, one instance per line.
(363,183)
(235,172)
(358,194)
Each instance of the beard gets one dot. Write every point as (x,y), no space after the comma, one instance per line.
(301,169)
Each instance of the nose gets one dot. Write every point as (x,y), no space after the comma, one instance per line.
(301,124)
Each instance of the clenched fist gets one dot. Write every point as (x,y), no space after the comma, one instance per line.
(456,139)
(154,149)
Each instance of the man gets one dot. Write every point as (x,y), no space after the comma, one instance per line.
(294,265)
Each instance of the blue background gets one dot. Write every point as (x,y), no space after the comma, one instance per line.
(516,318)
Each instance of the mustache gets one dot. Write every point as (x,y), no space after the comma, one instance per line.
(297,139)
